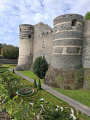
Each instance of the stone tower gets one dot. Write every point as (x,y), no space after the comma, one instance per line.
(26,33)
(66,62)
(86,54)
(67,41)
(86,45)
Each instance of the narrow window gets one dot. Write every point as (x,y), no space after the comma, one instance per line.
(20,29)
(78,50)
(29,36)
(74,22)
(43,44)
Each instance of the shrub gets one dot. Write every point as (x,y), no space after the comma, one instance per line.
(55,114)
(39,85)
(87,16)
(35,84)
(40,67)
(13,71)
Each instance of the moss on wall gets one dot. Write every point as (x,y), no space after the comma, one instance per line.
(69,79)
(86,78)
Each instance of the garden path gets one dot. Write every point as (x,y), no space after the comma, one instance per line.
(77,105)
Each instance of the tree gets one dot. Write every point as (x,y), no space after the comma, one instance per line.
(35,84)
(0,48)
(87,16)
(40,67)
(39,85)
(10,51)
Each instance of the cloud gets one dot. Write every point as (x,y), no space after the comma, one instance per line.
(13,13)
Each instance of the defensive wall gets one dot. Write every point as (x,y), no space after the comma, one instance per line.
(42,43)
(8,61)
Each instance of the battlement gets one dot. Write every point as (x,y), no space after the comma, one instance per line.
(26,31)
(68,17)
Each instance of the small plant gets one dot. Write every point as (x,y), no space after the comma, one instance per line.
(13,71)
(35,84)
(87,16)
(39,85)
(55,114)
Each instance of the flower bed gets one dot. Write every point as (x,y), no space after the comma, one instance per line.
(25,91)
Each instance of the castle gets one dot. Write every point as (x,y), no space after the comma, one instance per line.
(66,46)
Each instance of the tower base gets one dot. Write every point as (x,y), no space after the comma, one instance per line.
(64,79)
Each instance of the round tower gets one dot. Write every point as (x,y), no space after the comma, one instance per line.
(86,54)
(67,41)
(86,45)
(26,33)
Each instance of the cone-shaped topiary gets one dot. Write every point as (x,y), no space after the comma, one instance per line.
(39,85)
(13,71)
(35,84)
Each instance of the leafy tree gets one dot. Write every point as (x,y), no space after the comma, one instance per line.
(40,67)
(39,85)
(10,51)
(0,48)
(35,84)
(87,16)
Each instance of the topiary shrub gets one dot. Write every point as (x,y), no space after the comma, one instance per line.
(39,85)
(55,114)
(87,16)
(13,71)
(34,84)
(40,67)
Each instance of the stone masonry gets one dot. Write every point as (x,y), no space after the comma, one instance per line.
(66,46)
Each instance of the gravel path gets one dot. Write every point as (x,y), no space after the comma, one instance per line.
(77,105)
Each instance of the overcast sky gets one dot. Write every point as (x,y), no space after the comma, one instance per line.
(15,12)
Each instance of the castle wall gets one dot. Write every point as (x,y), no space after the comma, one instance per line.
(86,45)
(42,43)
(86,55)
(25,44)
(67,41)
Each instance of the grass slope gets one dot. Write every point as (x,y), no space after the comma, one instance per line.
(31,75)
(83,96)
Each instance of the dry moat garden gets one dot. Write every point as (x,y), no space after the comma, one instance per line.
(22,100)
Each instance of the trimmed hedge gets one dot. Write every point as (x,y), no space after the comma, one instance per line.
(40,67)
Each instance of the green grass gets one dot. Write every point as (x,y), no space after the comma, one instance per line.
(36,98)
(10,66)
(31,75)
(81,95)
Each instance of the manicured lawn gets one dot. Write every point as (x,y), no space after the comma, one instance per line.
(80,95)
(31,75)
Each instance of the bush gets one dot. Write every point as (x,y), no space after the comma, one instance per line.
(55,114)
(40,67)
(87,16)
